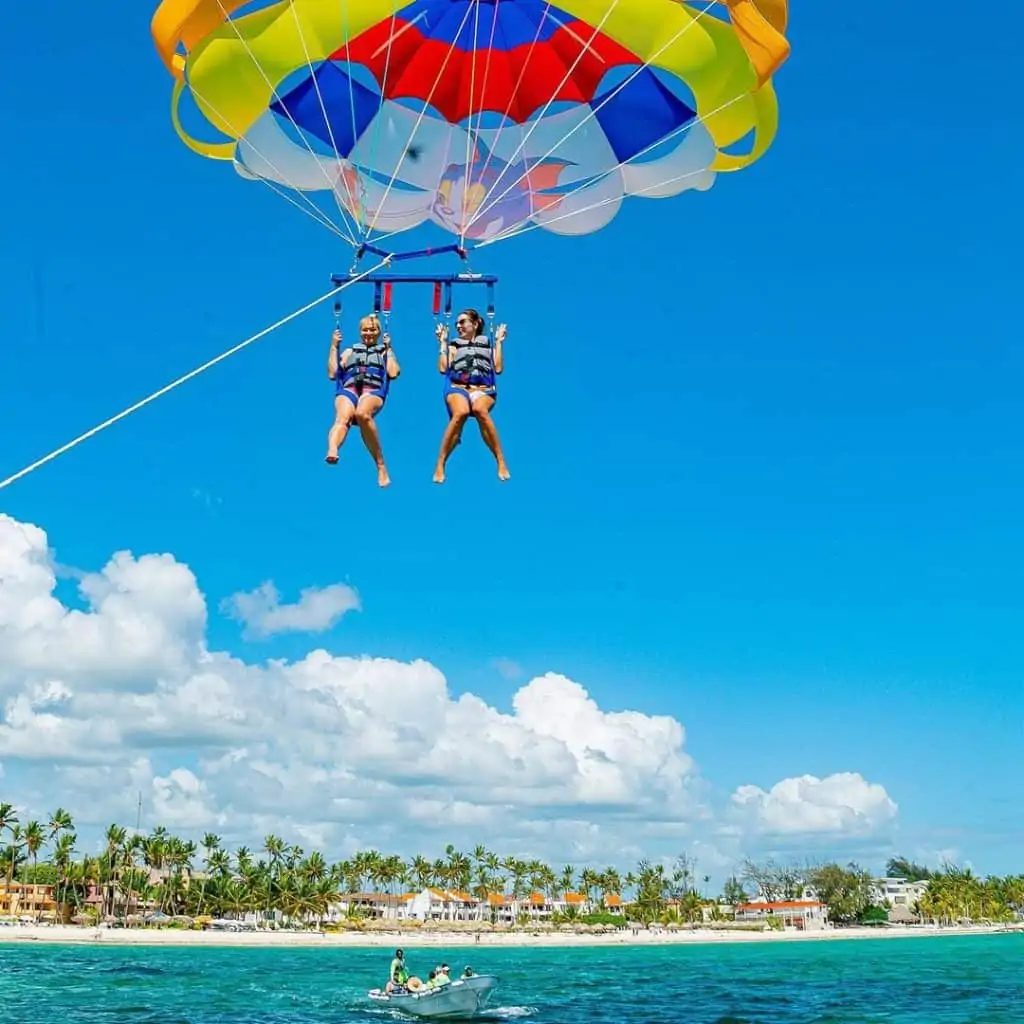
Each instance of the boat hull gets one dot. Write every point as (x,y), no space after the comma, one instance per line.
(461,999)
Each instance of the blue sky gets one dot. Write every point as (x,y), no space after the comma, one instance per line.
(798,534)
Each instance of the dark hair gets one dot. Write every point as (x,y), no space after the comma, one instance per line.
(478,320)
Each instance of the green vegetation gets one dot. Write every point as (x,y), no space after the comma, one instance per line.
(164,872)
(953,894)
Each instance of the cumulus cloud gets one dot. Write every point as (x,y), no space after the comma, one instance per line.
(843,803)
(124,697)
(318,609)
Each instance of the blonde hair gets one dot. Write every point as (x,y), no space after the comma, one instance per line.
(372,320)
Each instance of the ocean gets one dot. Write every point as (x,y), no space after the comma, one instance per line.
(948,980)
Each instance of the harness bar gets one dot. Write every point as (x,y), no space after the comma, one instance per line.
(490,279)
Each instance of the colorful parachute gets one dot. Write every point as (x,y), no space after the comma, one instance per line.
(485,117)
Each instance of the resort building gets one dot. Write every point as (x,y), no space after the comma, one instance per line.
(898,892)
(22,899)
(800,915)
(432,904)
(442,905)
(900,897)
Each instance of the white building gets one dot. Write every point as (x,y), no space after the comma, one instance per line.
(898,892)
(444,905)
(800,915)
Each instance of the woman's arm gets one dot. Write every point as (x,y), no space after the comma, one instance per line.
(393,368)
(332,356)
(499,341)
(442,356)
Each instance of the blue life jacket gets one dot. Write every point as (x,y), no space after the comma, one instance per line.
(367,368)
(472,362)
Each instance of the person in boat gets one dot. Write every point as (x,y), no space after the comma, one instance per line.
(442,976)
(470,364)
(398,977)
(362,374)
(467,971)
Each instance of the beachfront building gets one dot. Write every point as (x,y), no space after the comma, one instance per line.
(900,897)
(381,906)
(797,915)
(428,905)
(538,906)
(27,900)
(500,909)
(449,905)
(612,904)
(443,905)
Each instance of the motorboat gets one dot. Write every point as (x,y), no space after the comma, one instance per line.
(460,999)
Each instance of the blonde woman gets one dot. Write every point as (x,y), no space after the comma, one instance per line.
(362,374)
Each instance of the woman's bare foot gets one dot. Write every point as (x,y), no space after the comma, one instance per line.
(383,480)
(439,475)
(503,473)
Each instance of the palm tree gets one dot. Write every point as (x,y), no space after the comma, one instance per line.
(115,837)
(35,840)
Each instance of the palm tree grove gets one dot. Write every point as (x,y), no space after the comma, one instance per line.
(133,875)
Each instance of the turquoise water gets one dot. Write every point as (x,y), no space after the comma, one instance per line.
(971,980)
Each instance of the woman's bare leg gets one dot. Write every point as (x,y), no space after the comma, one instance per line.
(344,410)
(369,406)
(459,409)
(482,406)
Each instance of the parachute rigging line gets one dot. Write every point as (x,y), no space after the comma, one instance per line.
(187,377)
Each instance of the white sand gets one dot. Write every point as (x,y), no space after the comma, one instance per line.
(413,937)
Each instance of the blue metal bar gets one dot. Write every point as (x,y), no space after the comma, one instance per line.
(446,279)
(414,255)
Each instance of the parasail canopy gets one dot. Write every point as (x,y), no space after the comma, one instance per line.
(486,118)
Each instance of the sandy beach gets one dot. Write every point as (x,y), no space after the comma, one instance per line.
(413,938)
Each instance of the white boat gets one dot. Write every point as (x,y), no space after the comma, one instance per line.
(460,999)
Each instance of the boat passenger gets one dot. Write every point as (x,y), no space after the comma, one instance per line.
(399,977)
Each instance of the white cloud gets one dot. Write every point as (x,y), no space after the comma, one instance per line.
(124,697)
(181,800)
(844,803)
(318,609)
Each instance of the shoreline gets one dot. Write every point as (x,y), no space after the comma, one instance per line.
(85,935)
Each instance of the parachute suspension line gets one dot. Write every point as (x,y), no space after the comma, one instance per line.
(276,95)
(319,216)
(343,178)
(565,78)
(188,376)
(511,96)
(592,113)
(364,229)
(524,228)
(314,211)
(501,127)
(490,318)
(419,120)
(469,108)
